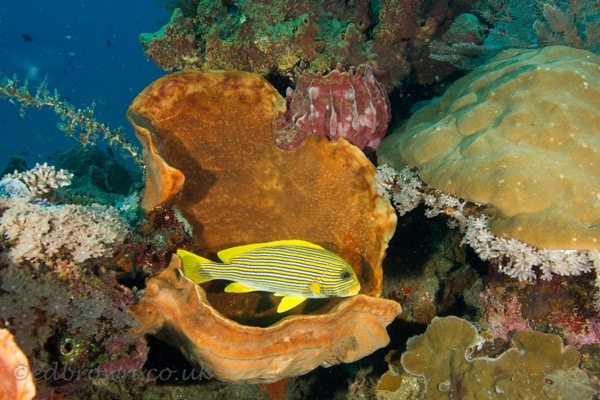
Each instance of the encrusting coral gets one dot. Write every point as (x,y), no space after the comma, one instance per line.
(212,130)
(177,310)
(537,365)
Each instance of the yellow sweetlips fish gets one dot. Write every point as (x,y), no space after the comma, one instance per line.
(293,269)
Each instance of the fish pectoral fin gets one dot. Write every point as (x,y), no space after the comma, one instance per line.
(316,288)
(288,302)
(236,287)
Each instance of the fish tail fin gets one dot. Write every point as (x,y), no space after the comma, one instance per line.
(192,266)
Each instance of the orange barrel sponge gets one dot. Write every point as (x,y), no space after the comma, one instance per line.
(177,311)
(213,130)
(520,133)
(209,150)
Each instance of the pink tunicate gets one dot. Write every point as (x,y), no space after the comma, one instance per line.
(351,104)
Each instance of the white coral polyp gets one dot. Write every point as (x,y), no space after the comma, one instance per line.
(38,231)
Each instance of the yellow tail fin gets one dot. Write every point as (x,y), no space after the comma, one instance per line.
(192,265)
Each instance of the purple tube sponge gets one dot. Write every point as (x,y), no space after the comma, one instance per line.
(342,104)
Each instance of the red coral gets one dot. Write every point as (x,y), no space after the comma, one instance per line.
(351,104)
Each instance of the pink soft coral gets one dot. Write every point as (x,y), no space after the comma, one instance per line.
(349,104)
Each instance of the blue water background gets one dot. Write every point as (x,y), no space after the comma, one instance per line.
(88,50)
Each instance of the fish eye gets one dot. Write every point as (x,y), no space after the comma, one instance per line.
(345,275)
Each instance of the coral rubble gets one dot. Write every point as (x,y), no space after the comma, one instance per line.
(177,310)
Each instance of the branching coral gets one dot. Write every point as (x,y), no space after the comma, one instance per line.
(38,181)
(520,23)
(38,231)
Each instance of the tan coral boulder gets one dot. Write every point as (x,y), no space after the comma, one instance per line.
(177,310)
(521,133)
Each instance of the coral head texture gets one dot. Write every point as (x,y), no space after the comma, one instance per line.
(350,104)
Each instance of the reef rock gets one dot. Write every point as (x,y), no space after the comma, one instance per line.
(342,104)
(177,311)
(314,35)
(520,133)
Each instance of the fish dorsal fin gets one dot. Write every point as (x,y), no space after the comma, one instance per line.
(228,254)
(236,287)
(192,266)
(289,302)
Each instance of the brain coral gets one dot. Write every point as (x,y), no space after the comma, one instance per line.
(521,133)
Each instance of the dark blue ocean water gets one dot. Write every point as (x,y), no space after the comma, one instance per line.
(88,50)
